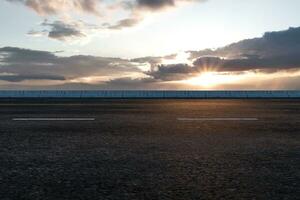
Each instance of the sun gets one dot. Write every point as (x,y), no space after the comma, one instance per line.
(212,79)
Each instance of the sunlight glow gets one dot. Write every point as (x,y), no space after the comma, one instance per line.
(217,80)
(212,79)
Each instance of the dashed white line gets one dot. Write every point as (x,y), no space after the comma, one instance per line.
(53,119)
(217,119)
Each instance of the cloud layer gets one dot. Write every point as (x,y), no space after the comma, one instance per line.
(66,26)
(275,52)
(53,7)
(64,31)
(23,64)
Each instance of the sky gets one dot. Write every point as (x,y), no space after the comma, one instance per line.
(150,44)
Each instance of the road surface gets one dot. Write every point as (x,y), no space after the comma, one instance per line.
(149,149)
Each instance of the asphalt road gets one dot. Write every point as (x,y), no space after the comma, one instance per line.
(150,149)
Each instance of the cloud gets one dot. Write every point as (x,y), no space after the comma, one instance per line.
(54,7)
(136,12)
(156,4)
(20,64)
(271,44)
(61,31)
(160,4)
(9,55)
(124,23)
(253,63)
(64,30)
(20,78)
(275,51)
(272,52)
(140,8)
(153,62)
(172,72)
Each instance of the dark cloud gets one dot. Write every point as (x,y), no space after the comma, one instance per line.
(160,4)
(208,62)
(155,4)
(172,72)
(137,8)
(272,52)
(9,55)
(65,30)
(271,44)
(269,64)
(272,64)
(60,30)
(19,78)
(46,65)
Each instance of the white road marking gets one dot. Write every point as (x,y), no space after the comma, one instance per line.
(217,119)
(53,119)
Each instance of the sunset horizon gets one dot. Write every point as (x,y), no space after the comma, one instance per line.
(127,45)
(149,99)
